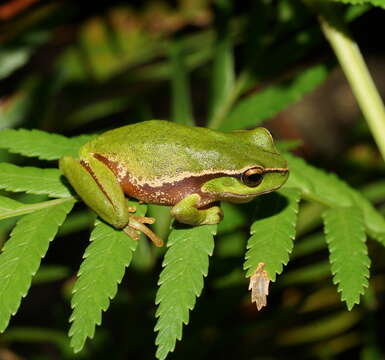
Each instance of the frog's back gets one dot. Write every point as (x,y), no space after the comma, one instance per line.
(154,148)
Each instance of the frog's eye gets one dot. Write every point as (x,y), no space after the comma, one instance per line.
(252,177)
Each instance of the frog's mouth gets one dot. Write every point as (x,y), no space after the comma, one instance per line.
(243,198)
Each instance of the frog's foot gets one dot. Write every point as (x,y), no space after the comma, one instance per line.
(137,223)
(213,215)
(186,212)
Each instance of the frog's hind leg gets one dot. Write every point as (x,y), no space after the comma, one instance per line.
(99,188)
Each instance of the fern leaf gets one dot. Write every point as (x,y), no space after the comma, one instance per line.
(345,235)
(316,184)
(272,237)
(22,254)
(328,189)
(374,220)
(7,205)
(105,260)
(11,208)
(32,180)
(265,104)
(181,281)
(37,143)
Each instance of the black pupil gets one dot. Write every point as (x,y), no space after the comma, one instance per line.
(253,179)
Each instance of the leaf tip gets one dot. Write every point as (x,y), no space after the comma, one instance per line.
(350,304)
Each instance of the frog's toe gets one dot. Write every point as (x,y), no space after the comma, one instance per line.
(214,215)
(143,219)
(137,223)
(131,233)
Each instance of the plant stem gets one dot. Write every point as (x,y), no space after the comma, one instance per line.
(28,208)
(357,73)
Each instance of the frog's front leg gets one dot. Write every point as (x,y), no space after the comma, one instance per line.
(99,188)
(186,212)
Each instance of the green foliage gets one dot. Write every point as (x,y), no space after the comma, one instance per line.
(223,76)
(272,237)
(32,180)
(186,261)
(11,208)
(22,254)
(256,108)
(316,184)
(181,281)
(328,189)
(102,73)
(11,60)
(36,143)
(8,205)
(105,260)
(181,103)
(349,216)
(329,325)
(345,235)
(379,3)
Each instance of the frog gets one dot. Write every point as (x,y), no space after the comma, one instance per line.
(189,168)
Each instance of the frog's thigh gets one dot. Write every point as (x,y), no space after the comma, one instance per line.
(98,187)
(185,211)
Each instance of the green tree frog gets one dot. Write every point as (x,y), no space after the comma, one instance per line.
(161,162)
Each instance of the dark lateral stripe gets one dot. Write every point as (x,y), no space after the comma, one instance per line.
(88,168)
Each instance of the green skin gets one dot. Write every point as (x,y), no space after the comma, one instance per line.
(186,167)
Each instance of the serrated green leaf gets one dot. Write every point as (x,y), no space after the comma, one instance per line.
(37,143)
(7,204)
(272,237)
(345,235)
(22,254)
(374,221)
(181,281)
(256,108)
(11,208)
(105,260)
(380,3)
(317,184)
(328,189)
(32,180)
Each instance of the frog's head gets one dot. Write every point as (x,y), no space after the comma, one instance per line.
(261,170)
